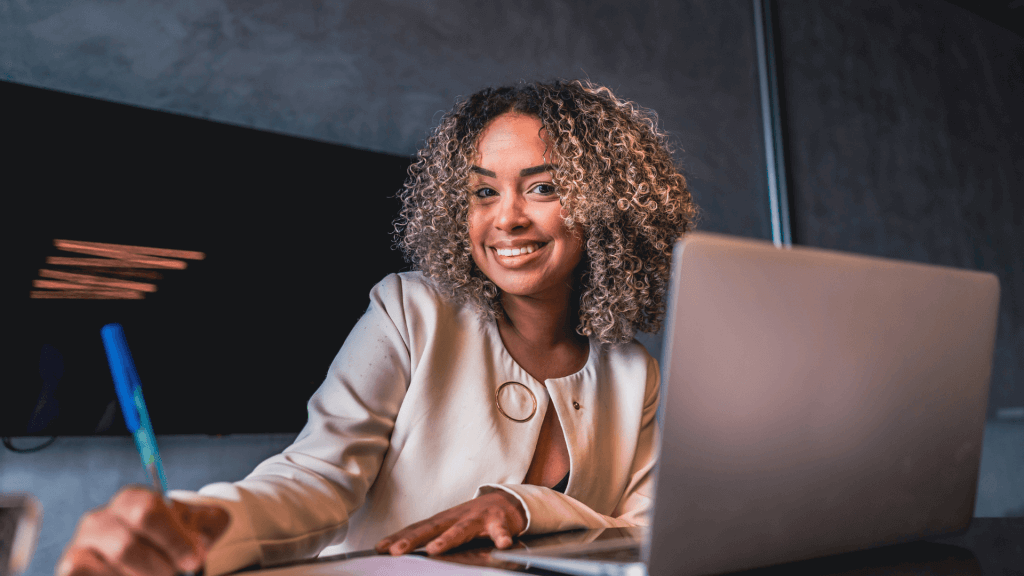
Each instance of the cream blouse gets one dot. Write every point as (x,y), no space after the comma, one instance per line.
(406,425)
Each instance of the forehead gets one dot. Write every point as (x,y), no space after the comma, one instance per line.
(514,135)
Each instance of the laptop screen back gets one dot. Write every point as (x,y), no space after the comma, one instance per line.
(816,403)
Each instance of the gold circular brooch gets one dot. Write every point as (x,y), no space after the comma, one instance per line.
(514,399)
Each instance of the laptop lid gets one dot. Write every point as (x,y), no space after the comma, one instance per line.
(815,403)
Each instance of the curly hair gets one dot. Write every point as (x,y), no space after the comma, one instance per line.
(614,174)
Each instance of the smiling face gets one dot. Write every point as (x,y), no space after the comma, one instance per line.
(516,228)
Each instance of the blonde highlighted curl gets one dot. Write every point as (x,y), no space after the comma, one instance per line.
(617,183)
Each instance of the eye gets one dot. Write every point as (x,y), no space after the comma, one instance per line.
(484,192)
(544,189)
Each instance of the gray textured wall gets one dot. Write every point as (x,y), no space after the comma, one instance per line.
(906,135)
(376,74)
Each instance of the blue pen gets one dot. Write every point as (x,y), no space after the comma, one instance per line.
(129,394)
(136,417)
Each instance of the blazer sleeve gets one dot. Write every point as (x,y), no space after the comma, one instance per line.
(298,502)
(550,511)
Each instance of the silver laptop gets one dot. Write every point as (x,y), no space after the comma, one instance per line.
(814,403)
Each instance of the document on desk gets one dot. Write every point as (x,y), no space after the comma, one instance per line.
(376,565)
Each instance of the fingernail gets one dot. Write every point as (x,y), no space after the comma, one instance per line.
(403,545)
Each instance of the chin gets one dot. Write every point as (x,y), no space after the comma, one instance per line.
(523,287)
(516,288)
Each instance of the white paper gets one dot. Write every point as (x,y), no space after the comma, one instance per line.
(381,566)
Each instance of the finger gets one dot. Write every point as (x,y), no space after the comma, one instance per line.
(420,533)
(457,535)
(146,513)
(401,546)
(83,562)
(386,542)
(499,534)
(124,550)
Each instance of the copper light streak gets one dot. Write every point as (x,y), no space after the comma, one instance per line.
(115,262)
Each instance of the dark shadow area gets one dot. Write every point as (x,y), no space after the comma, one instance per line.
(295,233)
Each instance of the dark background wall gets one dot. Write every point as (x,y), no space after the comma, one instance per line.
(903,120)
(906,140)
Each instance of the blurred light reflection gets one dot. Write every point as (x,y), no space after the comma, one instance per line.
(103,277)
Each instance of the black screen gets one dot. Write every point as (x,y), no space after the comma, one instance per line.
(294,232)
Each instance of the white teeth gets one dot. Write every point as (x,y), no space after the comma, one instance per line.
(517,251)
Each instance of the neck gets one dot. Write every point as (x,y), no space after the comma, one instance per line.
(542,322)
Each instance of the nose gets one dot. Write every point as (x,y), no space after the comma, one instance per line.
(511,213)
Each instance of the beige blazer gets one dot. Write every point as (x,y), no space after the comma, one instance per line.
(406,425)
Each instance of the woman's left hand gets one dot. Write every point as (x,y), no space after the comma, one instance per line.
(496,515)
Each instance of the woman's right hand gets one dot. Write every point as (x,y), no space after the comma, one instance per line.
(138,534)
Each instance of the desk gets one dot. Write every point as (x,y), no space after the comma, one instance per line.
(990,547)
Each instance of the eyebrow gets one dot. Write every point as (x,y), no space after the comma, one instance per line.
(522,173)
(536,170)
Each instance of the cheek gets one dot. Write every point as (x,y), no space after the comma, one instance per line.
(475,229)
(555,223)
(575,250)
(574,243)
(476,239)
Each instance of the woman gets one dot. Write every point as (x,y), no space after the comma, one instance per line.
(494,392)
